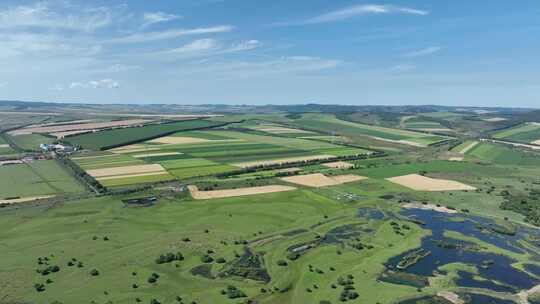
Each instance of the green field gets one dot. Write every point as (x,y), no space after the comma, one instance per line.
(526,133)
(37,178)
(329,123)
(119,137)
(503,155)
(31,142)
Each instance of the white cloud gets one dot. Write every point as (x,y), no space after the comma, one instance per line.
(158,17)
(171,34)
(45,45)
(423,52)
(210,47)
(96,84)
(359,10)
(55,15)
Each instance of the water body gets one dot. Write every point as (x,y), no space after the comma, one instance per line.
(371,213)
(510,279)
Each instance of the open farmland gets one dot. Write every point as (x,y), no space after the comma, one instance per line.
(525,133)
(31,142)
(119,137)
(60,130)
(331,124)
(504,155)
(36,179)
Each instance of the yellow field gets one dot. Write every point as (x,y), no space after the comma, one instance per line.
(200,195)
(423,183)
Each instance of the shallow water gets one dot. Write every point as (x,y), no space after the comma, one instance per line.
(500,270)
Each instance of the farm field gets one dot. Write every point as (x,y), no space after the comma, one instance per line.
(504,155)
(31,142)
(36,179)
(118,137)
(277,208)
(329,123)
(525,133)
(204,153)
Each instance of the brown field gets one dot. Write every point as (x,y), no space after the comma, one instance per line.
(456,159)
(536,142)
(423,183)
(200,195)
(339,165)
(495,119)
(79,126)
(133,148)
(10,162)
(289,170)
(279,130)
(404,142)
(469,147)
(60,135)
(156,154)
(4,146)
(24,199)
(282,161)
(98,173)
(429,207)
(321,180)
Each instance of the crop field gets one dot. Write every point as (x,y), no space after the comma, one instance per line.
(422,124)
(525,133)
(203,153)
(329,123)
(119,137)
(278,208)
(35,179)
(31,142)
(503,155)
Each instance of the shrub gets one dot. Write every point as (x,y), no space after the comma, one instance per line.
(94,272)
(282,263)
(206,259)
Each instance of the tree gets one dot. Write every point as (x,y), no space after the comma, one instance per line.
(94,272)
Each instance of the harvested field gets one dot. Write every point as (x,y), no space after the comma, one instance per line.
(24,199)
(536,142)
(156,154)
(289,170)
(456,159)
(422,183)
(200,195)
(339,165)
(429,207)
(97,173)
(173,140)
(321,180)
(450,296)
(4,146)
(133,149)
(79,127)
(282,161)
(10,162)
(495,119)
(401,141)
(469,147)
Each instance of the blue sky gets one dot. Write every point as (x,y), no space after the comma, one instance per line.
(459,52)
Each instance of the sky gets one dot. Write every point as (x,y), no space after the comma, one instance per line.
(459,52)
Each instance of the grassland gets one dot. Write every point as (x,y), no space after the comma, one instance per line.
(119,137)
(37,178)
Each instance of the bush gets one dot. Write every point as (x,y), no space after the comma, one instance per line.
(169,257)
(206,259)
(39,287)
(94,272)
(282,263)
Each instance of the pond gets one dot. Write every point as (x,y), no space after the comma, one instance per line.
(490,266)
